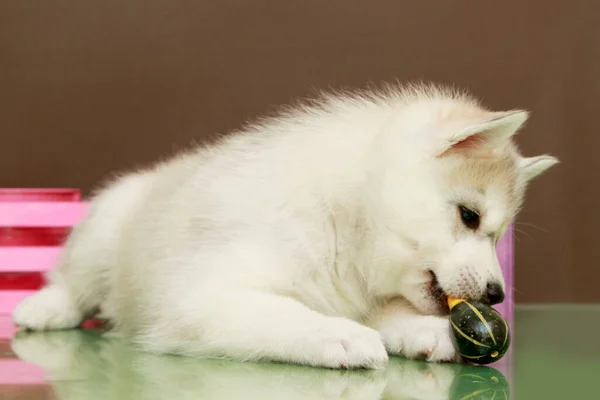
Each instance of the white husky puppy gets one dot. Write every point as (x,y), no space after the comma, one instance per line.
(329,235)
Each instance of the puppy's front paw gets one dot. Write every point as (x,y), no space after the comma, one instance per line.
(420,337)
(346,344)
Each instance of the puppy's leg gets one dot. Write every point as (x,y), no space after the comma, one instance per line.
(79,284)
(53,307)
(251,325)
(406,332)
(73,290)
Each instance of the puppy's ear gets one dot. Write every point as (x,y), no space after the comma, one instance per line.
(491,132)
(533,166)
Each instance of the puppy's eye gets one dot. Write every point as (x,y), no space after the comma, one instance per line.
(469,217)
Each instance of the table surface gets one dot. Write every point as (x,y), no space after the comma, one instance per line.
(555,355)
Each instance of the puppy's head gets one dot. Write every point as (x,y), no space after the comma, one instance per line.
(462,183)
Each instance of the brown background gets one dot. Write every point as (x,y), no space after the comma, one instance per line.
(89,87)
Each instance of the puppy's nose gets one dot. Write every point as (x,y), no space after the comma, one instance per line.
(494,293)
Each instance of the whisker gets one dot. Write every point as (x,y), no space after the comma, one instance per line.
(514,235)
(517,290)
(523,232)
(532,226)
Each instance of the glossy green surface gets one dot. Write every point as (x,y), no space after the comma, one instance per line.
(556,355)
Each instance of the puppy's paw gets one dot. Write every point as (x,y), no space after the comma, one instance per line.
(345,344)
(421,337)
(50,308)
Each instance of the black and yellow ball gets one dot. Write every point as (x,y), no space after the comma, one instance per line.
(481,335)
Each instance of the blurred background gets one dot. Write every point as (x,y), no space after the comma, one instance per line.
(88,88)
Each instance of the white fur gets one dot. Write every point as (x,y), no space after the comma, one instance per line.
(286,240)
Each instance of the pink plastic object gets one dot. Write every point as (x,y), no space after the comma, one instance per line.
(26,195)
(506,255)
(33,225)
(41,214)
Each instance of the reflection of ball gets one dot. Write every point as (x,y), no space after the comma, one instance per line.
(481,335)
(478,383)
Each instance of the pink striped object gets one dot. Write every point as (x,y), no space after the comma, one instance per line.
(32,214)
(32,194)
(41,214)
(28,259)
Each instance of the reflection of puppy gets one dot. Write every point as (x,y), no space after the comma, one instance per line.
(82,365)
(291,240)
